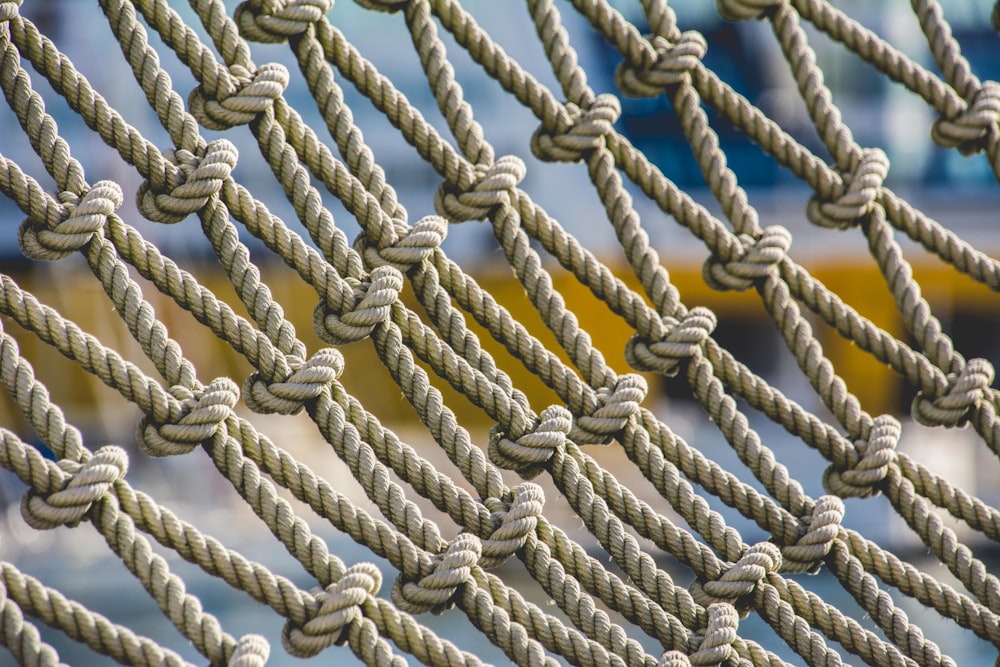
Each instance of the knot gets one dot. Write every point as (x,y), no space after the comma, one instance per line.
(514,523)
(863,188)
(417,244)
(274,21)
(861,480)
(527,454)
(683,338)
(305,383)
(671,66)
(194,182)
(360,309)
(673,658)
(434,592)
(85,484)
(251,651)
(716,644)
(965,391)
(737,582)
(757,260)
(85,216)
(9,10)
(387,6)
(491,188)
(338,607)
(808,552)
(614,407)
(969,131)
(202,413)
(252,93)
(743,10)
(585,130)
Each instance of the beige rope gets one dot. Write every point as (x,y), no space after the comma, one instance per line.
(444,559)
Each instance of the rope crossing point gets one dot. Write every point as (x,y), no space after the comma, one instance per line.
(394,289)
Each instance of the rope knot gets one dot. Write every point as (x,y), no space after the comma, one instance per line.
(672,64)
(251,94)
(416,245)
(251,651)
(737,582)
(673,658)
(84,217)
(337,608)
(274,21)
(861,480)
(757,260)
(969,131)
(193,183)
(613,410)
(514,522)
(681,340)
(715,646)
(305,383)
(359,310)
(85,483)
(527,454)
(966,391)
(491,188)
(584,132)
(435,592)
(9,10)
(201,415)
(744,10)
(863,187)
(808,552)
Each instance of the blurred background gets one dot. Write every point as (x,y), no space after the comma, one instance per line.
(958,191)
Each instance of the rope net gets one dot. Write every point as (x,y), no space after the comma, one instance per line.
(445,534)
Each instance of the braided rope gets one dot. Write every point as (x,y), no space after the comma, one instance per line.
(394,300)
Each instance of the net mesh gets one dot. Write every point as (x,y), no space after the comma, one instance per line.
(444,535)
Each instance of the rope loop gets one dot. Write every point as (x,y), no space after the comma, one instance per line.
(338,607)
(251,651)
(672,65)
(744,10)
(757,260)
(85,484)
(969,131)
(305,383)
(715,646)
(613,410)
(966,390)
(416,245)
(584,132)
(252,94)
(808,552)
(491,188)
(528,454)
(862,479)
(84,217)
(202,413)
(274,21)
(387,6)
(197,179)
(361,309)
(681,340)
(863,188)
(9,10)
(436,591)
(735,584)
(514,520)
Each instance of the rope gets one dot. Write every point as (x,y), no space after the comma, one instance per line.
(452,543)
